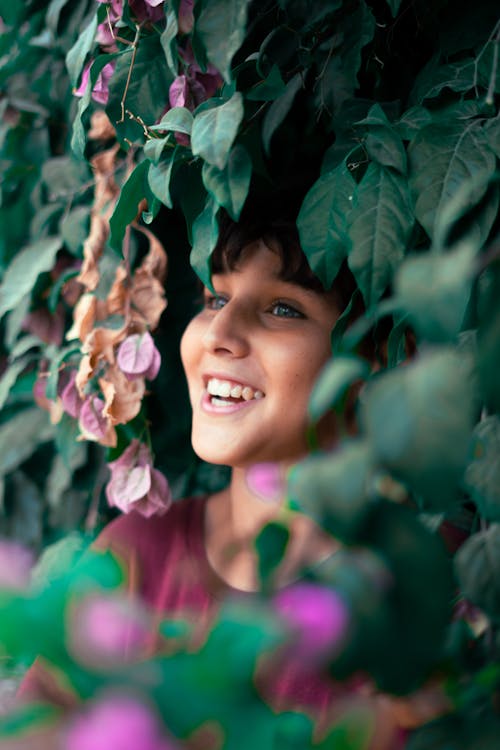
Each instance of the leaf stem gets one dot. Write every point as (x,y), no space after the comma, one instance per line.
(135,46)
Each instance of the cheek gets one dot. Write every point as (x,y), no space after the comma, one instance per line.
(190,347)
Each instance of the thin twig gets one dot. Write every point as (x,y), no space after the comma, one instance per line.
(135,46)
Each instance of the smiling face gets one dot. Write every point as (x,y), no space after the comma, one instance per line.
(251,357)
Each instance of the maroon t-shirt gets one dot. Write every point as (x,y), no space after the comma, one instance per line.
(166,565)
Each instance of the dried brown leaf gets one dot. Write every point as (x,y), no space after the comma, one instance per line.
(147,299)
(84,316)
(122,397)
(92,250)
(117,301)
(156,261)
(101,128)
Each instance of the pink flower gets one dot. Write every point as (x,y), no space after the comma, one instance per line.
(104,630)
(15,565)
(139,357)
(185,16)
(70,397)
(93,424)
(106,30)
(136,485)
(100,92)
(266,481)
(317,614)
(116,722)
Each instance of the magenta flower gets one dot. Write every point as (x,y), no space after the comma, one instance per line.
(104,630)
(106,30)
(15,565)
(100,92)
(138,357)
(136,485)
(70,397)
(317,615)
(116,722)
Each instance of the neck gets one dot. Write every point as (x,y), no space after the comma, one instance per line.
(235,517)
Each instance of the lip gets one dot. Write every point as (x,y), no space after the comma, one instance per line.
(209,408)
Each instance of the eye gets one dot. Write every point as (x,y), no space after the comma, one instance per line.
(285,310)
(214,301)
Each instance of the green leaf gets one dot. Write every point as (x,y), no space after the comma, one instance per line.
(482,475)
(222,39)
(74,228)
(76,56)
(214,131)
(127,206)
(333,381)
(179,119)
(229,187)
(334,489)
(78,138)
(380,226)
(205,234)
(60,356)
(435,290)
(322,222)
(8,379)
(394,6)
(419,420)
(269,89)
(477,564)
(168,40)
(159,177)
(279,110)
(270,545)
(435,77)
(147,92)
(443,157)
(488,338)
(24,270)
(382,142)
(20,435)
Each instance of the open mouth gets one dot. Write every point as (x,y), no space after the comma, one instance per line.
(228,392)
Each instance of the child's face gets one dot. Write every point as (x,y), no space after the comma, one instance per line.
(251,357)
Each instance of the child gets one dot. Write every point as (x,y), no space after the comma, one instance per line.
(251,357)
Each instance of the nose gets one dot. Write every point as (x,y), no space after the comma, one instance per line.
(228,332)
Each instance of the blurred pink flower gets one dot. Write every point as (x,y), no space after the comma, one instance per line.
(104,630)
(106,30)
(100,92)
(266,481)
(185,16)
(93,424)
(318,616)
(136,485)
(16,562)
(70,397)
(116,722)
(139,357)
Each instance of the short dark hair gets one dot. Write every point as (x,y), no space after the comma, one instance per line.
(280,235)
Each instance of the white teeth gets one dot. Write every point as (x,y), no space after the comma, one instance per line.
(225,389)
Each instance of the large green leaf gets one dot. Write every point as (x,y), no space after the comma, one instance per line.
(222,38)
(126,210)
(24,270)
(380,225)
(435,77)
(477,564)
(442,158)
(159,177)
(382,141)
(419,420)
(322,222)
(168,41)
(205,233)
(482,476)
(279,110)
(214,131)
(229,187)
(334,379)
(435,290)
(20,435)
(77,55)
